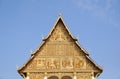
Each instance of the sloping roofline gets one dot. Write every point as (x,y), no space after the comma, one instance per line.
(60,18)
(33,54)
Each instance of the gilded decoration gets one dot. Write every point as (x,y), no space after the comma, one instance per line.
(79,63)
(59,55)
(59,63)
(32,65)
(83,75)
(41,63)
(52,63)
(60,33)
(36,75)
(67,63)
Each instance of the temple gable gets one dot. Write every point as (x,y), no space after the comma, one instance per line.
(60,53)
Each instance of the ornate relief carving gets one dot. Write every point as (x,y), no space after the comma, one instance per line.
(41,63)
(32,65)
(36,75)
(79,63)
(67,63)
(64,63)
(53,63)
(59,56)
(57,49)
(51,48)
(60,33)
(60,75)
(42,51)
(84,75)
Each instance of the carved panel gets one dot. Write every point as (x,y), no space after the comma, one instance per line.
(41,63)
(83,75)
(32,65)
(51,49)
(36,75)
(67,63)
(79,63)
(52,63)
(42,51)
(59,56)
(60,33)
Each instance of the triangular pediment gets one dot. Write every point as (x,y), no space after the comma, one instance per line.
(60,51)
(60,32)
(60,42)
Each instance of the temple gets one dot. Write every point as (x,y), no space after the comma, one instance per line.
(60,56)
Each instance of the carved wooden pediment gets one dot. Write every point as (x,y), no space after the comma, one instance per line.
(60,52)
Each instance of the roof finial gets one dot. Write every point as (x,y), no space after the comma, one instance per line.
(31,52)
(60,13)
(77,36)
(42,37)
(17,67)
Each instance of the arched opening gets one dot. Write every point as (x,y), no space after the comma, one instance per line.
(53,77)
(66,77)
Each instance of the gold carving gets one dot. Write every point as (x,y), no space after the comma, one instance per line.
(84,75)
(32,65)
(36,75)
(60,33)
(79,63)
(53,63)
(67,63)
(59,55)
(42,51)
(41,63)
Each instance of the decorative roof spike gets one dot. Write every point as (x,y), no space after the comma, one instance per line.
(31,52)
(77,37)
(17,67)
(60,13)
(42,37)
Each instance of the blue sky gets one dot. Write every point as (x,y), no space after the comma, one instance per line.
(24,22)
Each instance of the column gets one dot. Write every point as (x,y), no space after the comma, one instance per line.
(92,76)
(74,77)
(45,76)
(27,77)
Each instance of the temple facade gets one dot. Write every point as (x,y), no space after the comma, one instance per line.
(60,56)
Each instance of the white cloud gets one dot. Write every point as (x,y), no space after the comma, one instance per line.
(94,5)
(102,8)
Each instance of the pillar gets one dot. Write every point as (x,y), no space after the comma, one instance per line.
(74,77)
(45,76)
(92,76)
(27,77)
